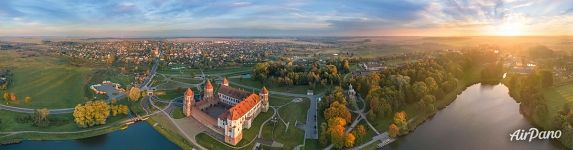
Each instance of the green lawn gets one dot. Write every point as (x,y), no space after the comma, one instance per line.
(555,99)
(177,113)
(187,80)
(293,136)
(49,81)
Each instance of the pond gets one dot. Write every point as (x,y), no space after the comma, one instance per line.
(481,117)
(139,136)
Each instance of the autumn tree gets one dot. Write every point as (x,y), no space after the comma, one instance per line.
(27,99)
(337,110)
(349,140)
(91,113)
(393,130)
(400,120)
(41,117)
(361,130)
(134,94)
(336,131)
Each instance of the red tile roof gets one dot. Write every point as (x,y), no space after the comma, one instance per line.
(233,92)
(189,92)
(243,107)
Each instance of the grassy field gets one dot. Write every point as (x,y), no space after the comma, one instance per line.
(555,99)
(49,81)
(291,113)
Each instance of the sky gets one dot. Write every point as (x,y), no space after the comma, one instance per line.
(165,18)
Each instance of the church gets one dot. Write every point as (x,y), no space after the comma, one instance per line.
(241,109)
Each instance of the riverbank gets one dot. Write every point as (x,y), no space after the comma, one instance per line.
(417,117)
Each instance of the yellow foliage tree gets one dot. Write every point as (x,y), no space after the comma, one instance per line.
(400,120)
(91,113)
(393,130)
(27,99)
(349,141)
(134,94)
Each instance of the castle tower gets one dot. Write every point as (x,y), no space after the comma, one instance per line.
(188,102)
(351,93)
(264,95)
(208,90)
(225,82)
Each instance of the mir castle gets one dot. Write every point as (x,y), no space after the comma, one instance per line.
(240,109)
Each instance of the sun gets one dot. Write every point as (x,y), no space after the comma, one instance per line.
(510,29)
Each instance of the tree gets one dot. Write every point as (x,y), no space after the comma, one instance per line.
(428,103)
(349,140)
(420,89)
(91,113)
(393,130)
(400,120)
(13,97)
(134,94)
(6,95)
(431,84)
(337,136)
(361,130)
(27,99)
(41,117)
(323,138)
(337,110)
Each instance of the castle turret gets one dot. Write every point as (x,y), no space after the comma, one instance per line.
(264,95)
(188,102)
(208,93)
(225,82)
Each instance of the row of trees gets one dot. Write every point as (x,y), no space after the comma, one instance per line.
(96,112)
(288,74)
(337,115)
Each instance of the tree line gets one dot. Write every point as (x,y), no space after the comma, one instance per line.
(287,73)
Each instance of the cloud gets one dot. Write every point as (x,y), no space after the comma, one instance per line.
(320,17)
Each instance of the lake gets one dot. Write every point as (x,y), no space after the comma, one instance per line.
(481,117)
(139,136)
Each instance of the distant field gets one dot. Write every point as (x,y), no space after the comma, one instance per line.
(49,81)
(556,98)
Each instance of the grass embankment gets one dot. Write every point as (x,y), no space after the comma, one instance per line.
(555,98)
(169,131)
(58,123)
(62,123)
(248,135)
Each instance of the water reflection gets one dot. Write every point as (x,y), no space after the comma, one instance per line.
(481,117)
(139,136)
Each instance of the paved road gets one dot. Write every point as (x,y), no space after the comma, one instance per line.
(311,129)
